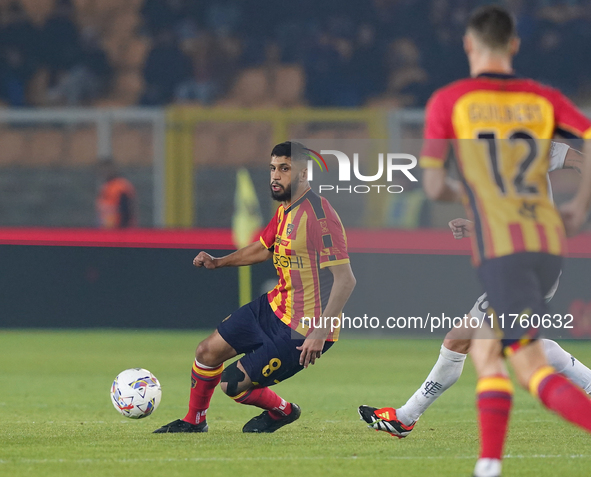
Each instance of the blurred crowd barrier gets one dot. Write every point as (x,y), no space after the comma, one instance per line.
(145,279)
(183,162)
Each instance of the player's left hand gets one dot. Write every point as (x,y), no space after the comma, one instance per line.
(574,216)
(311,350)
(461,228)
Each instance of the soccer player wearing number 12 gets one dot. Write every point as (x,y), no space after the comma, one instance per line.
(445,373)
(307,242)
(501,127)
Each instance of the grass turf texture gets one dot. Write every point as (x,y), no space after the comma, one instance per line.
(56,418)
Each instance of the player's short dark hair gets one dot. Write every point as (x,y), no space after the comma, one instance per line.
(493,25)
(295,150)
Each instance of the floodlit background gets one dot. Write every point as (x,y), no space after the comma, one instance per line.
(185,95)
(182,92)
(186,98)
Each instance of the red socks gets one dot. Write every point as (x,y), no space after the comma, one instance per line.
(265,399)
(203,382)
(561,396)
(494,397)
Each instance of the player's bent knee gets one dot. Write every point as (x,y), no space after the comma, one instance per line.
(232,379)
(207,355)
(202,353)
(211,351)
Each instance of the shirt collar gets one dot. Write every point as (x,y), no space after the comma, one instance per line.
(297,201)
(497,75)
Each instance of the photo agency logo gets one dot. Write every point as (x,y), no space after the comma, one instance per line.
(390,163)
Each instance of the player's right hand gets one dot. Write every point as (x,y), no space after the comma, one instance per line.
(204,260)
(461,228)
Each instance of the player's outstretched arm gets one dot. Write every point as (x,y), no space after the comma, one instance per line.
(342,287)
(254,253)
(461,228)
(574,213)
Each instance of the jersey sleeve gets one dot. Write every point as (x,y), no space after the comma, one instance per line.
(269,233)
(438,132)
(558,151)
(570,122)
(329,239)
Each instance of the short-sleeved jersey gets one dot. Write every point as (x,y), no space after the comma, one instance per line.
(306,238)
(501,127)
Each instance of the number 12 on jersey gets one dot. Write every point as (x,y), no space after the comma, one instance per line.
(523,165)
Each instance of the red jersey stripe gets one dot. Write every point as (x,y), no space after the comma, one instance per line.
(517,237)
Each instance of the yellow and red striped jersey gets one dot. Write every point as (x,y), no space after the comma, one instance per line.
(306,238)
(501,127)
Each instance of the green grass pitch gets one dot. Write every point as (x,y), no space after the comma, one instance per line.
(56,418)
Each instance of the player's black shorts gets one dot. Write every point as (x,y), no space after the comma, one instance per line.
(518,284)
(270,351)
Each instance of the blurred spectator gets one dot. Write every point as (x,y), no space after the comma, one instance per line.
(158,15)
(14,76)
(19,33)
(166,68)
(440,43)
(353,52)
(367,71)
(326,62)
(19,58)
(525,15)
(207,70)
(87,79)
(215,63)
(116,200)
(60,40)
(223,17)
(407,79)
(552,41)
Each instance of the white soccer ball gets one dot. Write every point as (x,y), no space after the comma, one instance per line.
(136,393)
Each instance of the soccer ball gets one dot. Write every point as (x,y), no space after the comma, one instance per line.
(136,393)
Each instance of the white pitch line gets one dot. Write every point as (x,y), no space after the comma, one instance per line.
(285,458)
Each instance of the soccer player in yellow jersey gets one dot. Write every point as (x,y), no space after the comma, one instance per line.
(501,126)
(308,245)
(448,368)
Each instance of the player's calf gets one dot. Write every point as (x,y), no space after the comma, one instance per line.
(561,396)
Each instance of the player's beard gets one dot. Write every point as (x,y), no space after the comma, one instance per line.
(284,195)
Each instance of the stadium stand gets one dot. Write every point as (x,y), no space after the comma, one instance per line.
(281,57)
